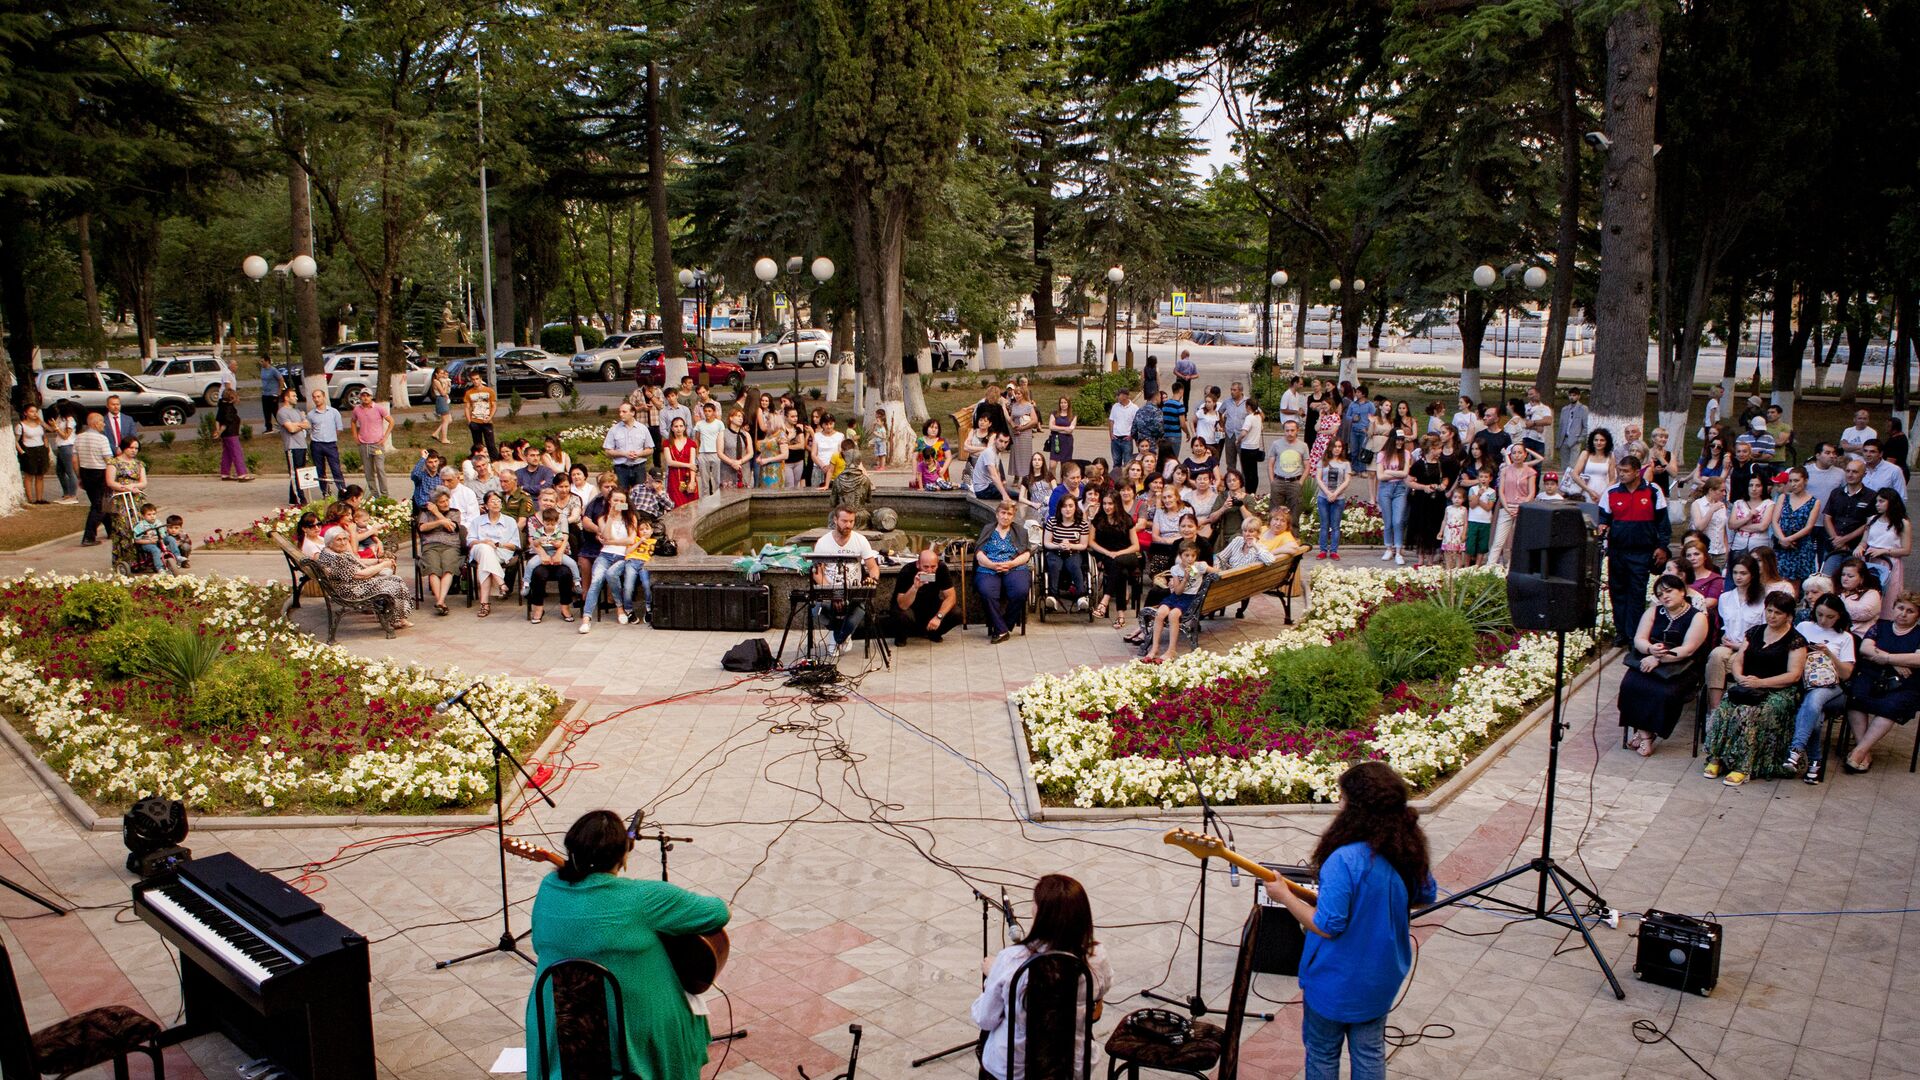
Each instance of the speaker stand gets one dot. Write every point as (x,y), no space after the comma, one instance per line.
(1562,911)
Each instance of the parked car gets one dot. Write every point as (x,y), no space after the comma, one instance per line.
(537,359)
(348,373)
(650,369)
(614,356)
(89,388)
(412,347)
(200,376)
(811,346)
(515,377)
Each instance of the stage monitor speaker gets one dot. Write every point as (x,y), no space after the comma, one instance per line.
(1679,951)
(1554,582)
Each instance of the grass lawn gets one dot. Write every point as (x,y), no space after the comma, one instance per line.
(32,525)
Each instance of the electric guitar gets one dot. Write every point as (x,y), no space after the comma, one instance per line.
(1203,846)
(697,958)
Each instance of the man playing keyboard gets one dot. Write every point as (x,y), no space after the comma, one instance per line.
(856,567)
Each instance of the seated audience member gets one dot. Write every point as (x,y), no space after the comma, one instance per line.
(1750,730)
(1860,591)
(548,561)
(859,567)
(1064,547)
(426,477)
(650,500)
(516,503)
(1740,609)
(924,599)
(460,496)
(355,579)
(309,536)
(1183,582)
(1062,923)
(1002,574)
(1884,691)
(1830,660)
(492,543)
(1244,552)
(1663,673)
(1117,549)
(439,527)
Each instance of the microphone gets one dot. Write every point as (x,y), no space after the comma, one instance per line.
(1006,910)
(456,699)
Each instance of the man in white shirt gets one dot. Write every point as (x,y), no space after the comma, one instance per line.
(707,433)
(628,445)
(459,496)
(842,617)
(1293,403)
(1539,431)
(91,449)
(1120,429)
(1881,473)
(1825,471)
(1855,437)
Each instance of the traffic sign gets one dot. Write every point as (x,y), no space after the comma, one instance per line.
(1179,303)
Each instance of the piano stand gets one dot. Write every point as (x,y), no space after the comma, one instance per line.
(509,941)
(33,896)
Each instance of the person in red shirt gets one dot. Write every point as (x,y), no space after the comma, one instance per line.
(1633,517)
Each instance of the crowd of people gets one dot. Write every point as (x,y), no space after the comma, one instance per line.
(1781,607)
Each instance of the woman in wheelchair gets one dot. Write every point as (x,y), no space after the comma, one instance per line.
(1062,923)
(1065,547)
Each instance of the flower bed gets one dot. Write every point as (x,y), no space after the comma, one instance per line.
(392,516)
(357,734)
(1102,737)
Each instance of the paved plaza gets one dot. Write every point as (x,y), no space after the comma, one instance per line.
(847,836)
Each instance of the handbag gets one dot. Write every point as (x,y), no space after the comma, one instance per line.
(1664,672)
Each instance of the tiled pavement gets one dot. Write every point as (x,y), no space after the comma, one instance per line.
(840,918)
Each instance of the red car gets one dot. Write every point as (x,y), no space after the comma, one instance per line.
(650,369)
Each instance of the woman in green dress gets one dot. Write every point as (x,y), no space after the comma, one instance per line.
(586,911)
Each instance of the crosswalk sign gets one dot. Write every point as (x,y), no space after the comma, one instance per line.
(1179,303)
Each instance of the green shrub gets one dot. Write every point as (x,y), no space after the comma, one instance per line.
(208,432)
(243,690)
(1480,598)
(182,657)
(166,438)
(515,403)
(125,649)
(559,339)
(1089,360)
(1334,688)
(1096,395)
(1418,641)
(601,411)
(90,605)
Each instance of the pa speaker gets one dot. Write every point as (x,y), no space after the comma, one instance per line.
(1554,582)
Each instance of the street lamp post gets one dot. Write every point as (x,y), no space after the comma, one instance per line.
(257,268)
(696,280)
(1115,276)
(1486,277)
(1278,279)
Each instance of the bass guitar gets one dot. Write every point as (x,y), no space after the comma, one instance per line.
(697,958)
(1205,846)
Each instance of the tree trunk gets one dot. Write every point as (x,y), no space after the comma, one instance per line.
(1906,320)
(90,293)
(1299,329)
(1473,335)
(1736,323)
(1786,362)
(1676,372)
(1857,320)
(1623,298)
(1566,240)
(1350,318)
(306,293)
(663,278)
(503,299)
(879,228)
(626,288)
(16,309)
(1047,349)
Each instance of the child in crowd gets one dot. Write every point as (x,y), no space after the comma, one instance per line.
(366,537)
(1182,581)
(877,444)
(1453,530)
(151,536)
(546,541)
(1550,488)
(182,544)
(932,474)
(641,552)
(1480,504)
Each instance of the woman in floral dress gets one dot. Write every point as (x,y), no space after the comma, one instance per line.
(1793,528)
(1325,431)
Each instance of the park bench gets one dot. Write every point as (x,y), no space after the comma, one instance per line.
(1221,591)
(380,607)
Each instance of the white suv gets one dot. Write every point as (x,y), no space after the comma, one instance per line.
(812,346)
(200,376)
(347,374)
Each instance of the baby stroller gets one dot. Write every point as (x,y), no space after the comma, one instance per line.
(127,557)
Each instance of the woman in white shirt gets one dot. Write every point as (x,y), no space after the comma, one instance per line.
(1750,521)
(1062,922)
(1465,417)
(1888,541)
(1708,514)
(65,427)
(1594,468)
(1830,659)
(1741,608)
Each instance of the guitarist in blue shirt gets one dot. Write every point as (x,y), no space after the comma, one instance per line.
(1373,871)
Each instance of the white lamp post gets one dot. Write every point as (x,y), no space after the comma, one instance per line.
(1277,279)
(257,268)
(1486,277)
(1115,277)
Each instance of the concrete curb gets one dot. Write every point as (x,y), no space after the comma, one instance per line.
(84,816)
(1432,802)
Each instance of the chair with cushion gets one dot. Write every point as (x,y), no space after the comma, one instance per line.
(589,1022)
(111,1033)
(1210,1044)
(1050,998)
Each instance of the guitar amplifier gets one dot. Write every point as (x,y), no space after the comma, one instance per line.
(737,606)
(1277,950)
(1679,951)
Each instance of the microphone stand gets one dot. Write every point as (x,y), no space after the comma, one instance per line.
(509,941)
(987,905)
(1209,825)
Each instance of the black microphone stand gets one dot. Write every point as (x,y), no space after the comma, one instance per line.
(987,904)
(509,941)
(1210,826)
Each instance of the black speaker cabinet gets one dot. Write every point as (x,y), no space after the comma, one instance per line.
(1277,950)
(711,607)
(1679,951)
(1554,582)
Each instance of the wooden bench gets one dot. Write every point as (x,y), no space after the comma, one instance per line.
(1277,580)
(380,607)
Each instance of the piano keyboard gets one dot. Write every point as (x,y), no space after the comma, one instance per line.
(221,932)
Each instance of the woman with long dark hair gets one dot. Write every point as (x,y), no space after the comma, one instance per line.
(1663,671)
(586,911)
(1062,923)
(1373,869)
